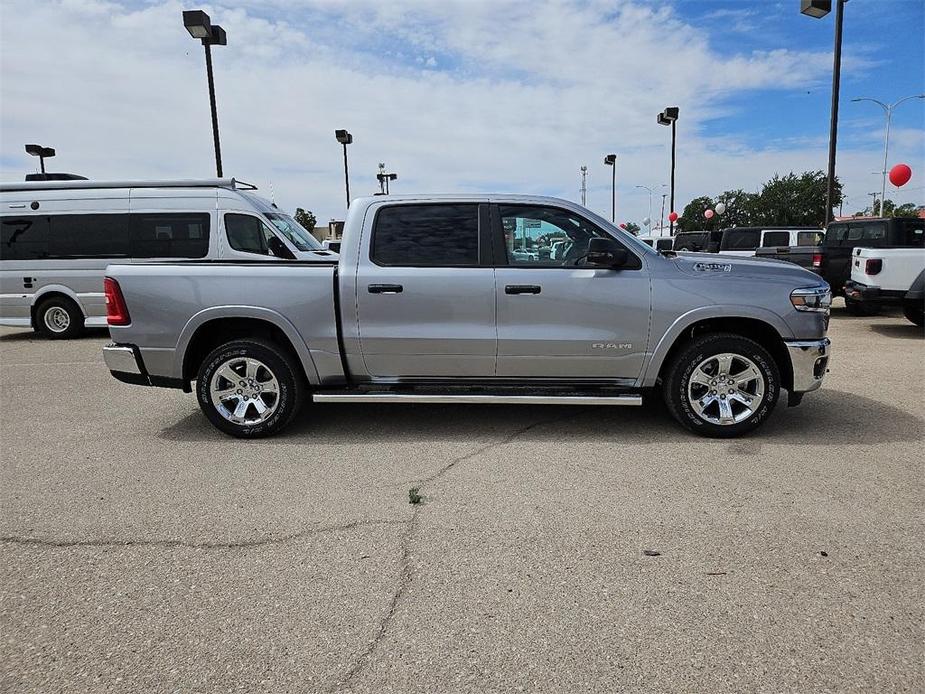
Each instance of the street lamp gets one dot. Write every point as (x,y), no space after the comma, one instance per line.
(650,205)
(40,152)
(384,179)
(345,139)
(200,27)
(819,9)
(670,117)
(611,160)
(888,111)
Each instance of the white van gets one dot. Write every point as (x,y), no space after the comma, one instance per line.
(57,237)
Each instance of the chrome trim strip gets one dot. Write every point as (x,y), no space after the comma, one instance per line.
(481,399)
(121,359)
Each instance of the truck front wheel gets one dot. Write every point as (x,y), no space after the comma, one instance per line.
(722,385)
(250,388)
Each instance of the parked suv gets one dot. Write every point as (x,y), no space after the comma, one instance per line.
(747,240)
(429,301)
(698,241)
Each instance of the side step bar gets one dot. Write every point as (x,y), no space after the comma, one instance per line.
(480,399)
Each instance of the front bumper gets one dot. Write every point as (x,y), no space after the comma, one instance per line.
(809,360)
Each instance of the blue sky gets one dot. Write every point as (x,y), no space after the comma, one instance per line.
(459,95)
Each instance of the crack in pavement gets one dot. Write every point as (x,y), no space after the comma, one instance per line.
(405,570)
(241,544)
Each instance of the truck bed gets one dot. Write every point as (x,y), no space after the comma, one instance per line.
(169,301)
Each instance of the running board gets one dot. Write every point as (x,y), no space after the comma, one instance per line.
(480,399)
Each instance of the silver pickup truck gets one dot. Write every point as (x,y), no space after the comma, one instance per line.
(473,299)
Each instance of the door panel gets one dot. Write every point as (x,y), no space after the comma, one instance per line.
(584,323)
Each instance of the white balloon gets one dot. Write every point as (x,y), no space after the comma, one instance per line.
(720,208)
(646,221)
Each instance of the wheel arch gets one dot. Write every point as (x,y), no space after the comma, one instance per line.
(767,330)
(53,291)
(212,327)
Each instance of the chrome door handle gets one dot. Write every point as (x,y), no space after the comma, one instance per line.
(385,289)
(522,289)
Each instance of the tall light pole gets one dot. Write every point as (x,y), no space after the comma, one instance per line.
(200,27)
(650,205)
(888,112)
(611,160)
(42,153)
(670,117)
(819,9)
(345,139)
(661,220)
(584,186)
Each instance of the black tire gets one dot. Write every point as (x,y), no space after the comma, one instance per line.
(676,380)
(276,361)
(59,318)
(915,312)
(861,308)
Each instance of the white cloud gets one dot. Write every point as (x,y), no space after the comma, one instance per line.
(509,96)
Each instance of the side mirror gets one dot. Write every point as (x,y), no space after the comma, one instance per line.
(606,253)
(278,248)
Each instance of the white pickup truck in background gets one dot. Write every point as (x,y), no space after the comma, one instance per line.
(889,276)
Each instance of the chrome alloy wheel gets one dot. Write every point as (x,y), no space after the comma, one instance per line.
(725,389)
(56,319)
(244,391)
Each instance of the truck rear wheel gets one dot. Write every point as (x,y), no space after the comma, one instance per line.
(722,385)
(250,388)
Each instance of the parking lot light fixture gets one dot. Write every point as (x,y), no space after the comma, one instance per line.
(815,8)
(670,117)
(42,153)
(345,138)
(611,160)
(200,27)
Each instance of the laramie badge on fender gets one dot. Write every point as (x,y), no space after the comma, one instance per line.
(611,345)
(712,267)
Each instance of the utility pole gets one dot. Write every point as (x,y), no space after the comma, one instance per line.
(584,186)
(661,219)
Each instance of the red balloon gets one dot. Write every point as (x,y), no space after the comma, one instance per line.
(623,225)
(900,175)
(673,217)
(708,214)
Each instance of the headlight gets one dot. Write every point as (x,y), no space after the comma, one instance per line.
(811,299)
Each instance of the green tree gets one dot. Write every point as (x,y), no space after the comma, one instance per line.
(306,218)
(794,200)
(909,209)
(692,218)
(739,208)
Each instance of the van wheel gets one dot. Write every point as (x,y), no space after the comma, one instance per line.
(722,385)
(59,318)
(250,388)
(861,308)
(915,312)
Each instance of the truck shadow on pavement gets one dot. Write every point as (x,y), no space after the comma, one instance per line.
(32,336)
(824,418)
(898,330)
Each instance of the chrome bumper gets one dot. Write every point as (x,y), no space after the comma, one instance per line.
(121,359)
(809,359)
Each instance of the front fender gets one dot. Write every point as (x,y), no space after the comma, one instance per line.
(265,314)
(654,363)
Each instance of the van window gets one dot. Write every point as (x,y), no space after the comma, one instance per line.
(426,235)
(911,233)
(664,244)
(740,239)
(88,236)
(24,238)
(248,234)
(809,238)
(776,238)
(169,235)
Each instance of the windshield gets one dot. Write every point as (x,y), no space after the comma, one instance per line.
(293,231)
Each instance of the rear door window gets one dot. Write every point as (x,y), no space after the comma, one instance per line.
(740,240)
(874,232)
(248,234)
(427,235)
(836,234)
(809,238)
(88,236)
(23,238)
(776,238)
(169,235)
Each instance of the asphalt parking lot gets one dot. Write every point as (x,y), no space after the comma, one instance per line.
(143,550)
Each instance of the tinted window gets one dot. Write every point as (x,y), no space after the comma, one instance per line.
(23,238)
(776,238)
(88,235)
(911,233)
(690,242)
(248,234)
(546,236)
(740,239)
(428,235)
(809,238)
(664,244)
(156,235)
(835,234)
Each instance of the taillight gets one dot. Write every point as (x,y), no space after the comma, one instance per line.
(873,266)
(817,259)
(116,310)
